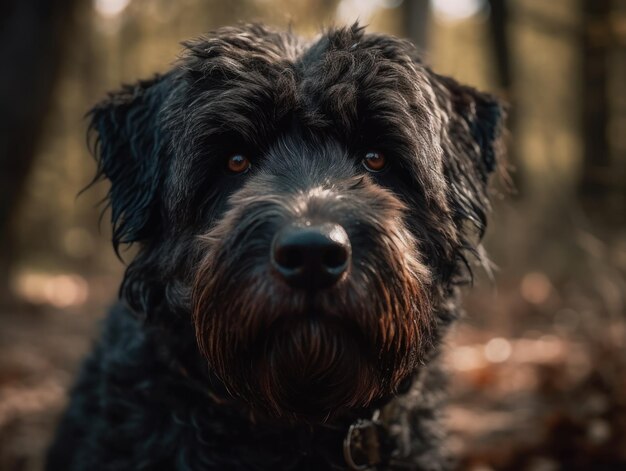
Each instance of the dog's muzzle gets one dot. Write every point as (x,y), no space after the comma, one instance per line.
(311,257)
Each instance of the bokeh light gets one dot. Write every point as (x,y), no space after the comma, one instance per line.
(457,10)
(110,8)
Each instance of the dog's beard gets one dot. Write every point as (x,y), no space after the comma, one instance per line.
(305,357)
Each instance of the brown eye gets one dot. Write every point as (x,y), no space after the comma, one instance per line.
(238,163)
(374,161)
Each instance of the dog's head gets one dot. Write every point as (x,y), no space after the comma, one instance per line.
(310,205)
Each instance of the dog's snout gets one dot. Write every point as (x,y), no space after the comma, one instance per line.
(311,257)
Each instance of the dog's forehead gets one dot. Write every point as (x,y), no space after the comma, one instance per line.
(250,80)
(334,72)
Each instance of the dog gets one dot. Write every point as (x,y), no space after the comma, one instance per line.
(306,213)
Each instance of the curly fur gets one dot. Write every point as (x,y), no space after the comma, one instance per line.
(208,362)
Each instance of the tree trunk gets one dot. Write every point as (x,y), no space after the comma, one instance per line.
(416,16)
(33,36)
(596,176)
(498,24)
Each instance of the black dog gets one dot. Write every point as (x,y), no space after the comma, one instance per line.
(304,214)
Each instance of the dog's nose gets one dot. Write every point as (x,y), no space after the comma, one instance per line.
(311,257)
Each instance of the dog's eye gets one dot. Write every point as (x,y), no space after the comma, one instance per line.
(374,161)
(238,163)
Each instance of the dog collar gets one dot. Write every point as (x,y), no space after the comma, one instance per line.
(370,443)
(364,444)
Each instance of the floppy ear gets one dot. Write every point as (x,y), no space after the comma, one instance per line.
(473,148)
(130,151)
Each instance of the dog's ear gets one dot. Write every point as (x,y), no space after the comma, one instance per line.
(473,147)
(130,147)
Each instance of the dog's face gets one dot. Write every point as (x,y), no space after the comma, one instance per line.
(308,205)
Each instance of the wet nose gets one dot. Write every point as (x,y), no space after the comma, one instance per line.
(311,257)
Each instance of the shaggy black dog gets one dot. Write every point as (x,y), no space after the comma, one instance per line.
(304,212)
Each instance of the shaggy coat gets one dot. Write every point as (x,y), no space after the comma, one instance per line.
(209,361)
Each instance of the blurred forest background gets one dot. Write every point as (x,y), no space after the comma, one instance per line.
(538,366)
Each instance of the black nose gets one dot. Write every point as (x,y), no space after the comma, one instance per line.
(311,257)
